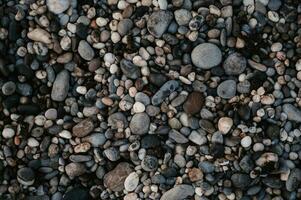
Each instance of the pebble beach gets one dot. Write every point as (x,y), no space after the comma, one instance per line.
(150,99)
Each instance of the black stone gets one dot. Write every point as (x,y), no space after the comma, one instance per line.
(24,70)
(82,30)
(77,193)
(150,141)
(29,109)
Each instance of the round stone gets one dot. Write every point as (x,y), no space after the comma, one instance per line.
(8,133)
(182,16)
(85,50)
(57,6)
(140,123)
(206,56)
(131,182)
(51,114)
(8,88)
(235,64)
(138,107)
(225,124)
(149,163)
(246,142)
(227,89)
(26,176)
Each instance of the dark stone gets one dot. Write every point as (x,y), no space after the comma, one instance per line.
(240,180)
(82,30)
(217,150)
(29,109)
(24,70)
(77,193)
(273,131)
(150,141)
(157,79)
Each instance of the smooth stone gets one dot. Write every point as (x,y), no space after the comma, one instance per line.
(217,137)
(51,114)
(75,169)
(143,98)
(60,86)
(149,163)
(194,103)
(206,56)
(129,69)
(235,64)
(240,180)
(140,123)
(164,91)
(85,50)
(274,4)
(8,88)
(24,89)
(95,139)
(124,26)
(177,137)
(112,154)
(58,6)
(114,180)
(197,138)
(26,176)
(100,172)
(158,22)
(178,192)
(225,124)
(294,179)
(80,158)
(182,16)
(8,133)
(83,128)
(293,113)
(117,120)
(246,142)
(77,193)
(150,141)
(163,4)
(39,35)
(131,182)
(227,89)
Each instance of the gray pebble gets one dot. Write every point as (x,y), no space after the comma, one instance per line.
(140,123)
(60,86)
(177,137)
(26,176)
(57,6)
(149,163)
(235,64)
(158,22)
(197,138)
(8,88)
(227,89)
(206,56)
(178,192)
(85,50)
(112,154)
(129,69)
(165,91)
(182,16)
(293,113)
(124,26)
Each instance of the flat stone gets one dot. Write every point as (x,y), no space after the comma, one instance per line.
(140,123)
(158,22)
(164,91)
(75,169)
(294,179)
(131,182)
(26,176)
(112,154)
(39,35)
(58,6)
(235,64)
(117,120)
(194,103)
(85,50)
(114,180)
(129,69)
(60,86)
(206,56)
(95,139)
(182,16)
(293,113)
(197,138)
(177,137)
(83,128)
(226,89)
(178,192)
(124,26)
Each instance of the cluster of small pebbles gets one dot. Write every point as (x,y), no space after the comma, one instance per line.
(150,99)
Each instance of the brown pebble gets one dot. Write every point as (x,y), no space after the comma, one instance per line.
(83,128)
(194,103)
(195,174)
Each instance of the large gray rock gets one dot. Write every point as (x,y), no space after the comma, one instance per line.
(60,86)
(227,89)
(140,123)
(206,56)
(292,112)
(235,64)
(58,6)
(179,192)
(158,22)
(85,50)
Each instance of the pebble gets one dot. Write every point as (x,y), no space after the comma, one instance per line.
(117,120)
(149,163)
(235,64)
(177,137)
(178,192)
(8,88)
(75,169)
(76,193)
(39,35)
(158,22)
(225,124)
(57,6)
(115,179)
(129,69)
(112,154)
(246,142)
(206,56)
(95,139)
(292,112)
(83,128)
(124,26)
(138,107)
(164,91)
(194,103)
(8,133)
(140,123)
(85,50)
(294,179)
(26,176)
(51,114)
(60,86)
(240,180)
(197,138)
(131,182)
(182,16)
(227,89)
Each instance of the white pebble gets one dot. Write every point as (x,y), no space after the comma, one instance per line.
(138,107)
(8,133)
(246,142)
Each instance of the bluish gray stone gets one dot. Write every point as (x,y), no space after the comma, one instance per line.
(60,86)
(165,91)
